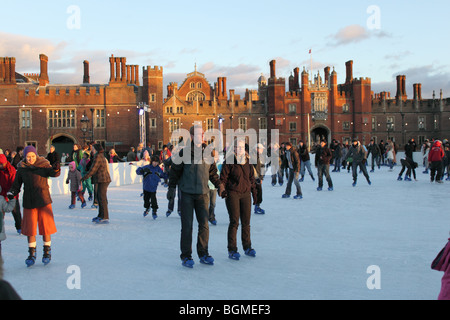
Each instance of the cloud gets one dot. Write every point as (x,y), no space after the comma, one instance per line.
(26,50)
(354,34)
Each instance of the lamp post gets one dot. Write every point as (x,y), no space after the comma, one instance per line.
(84,126)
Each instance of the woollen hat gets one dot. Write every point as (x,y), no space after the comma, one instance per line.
(27,149)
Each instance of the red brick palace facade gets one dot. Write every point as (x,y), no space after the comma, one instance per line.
(34,111)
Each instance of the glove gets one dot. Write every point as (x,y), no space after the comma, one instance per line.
(171,194)
(157,173)
(222,192)
(10,195)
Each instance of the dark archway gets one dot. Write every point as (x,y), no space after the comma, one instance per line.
(63,144)
(318,134)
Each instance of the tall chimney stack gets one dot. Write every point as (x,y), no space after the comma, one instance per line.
(43,77)
(349,71)
(272,68)
(86,78)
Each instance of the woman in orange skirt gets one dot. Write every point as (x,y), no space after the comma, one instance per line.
(33,173)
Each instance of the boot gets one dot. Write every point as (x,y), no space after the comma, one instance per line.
(31,257)
(47,255)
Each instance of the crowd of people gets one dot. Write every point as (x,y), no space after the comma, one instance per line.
(194,184)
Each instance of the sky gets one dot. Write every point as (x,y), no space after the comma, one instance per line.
(234,39)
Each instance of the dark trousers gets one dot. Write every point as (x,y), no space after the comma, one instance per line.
(259,197)
(171,204)
(212,204)
(74,197)
(190,203)
(407,165)
(435,170)
(362,166)
(150,199)
(95,194)
(239,208)
(324,170)
(102,189)
(375,158)
(17,216)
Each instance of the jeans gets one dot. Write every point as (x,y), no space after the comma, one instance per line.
(324,169)
(362,166)
(306,164)
(293,177)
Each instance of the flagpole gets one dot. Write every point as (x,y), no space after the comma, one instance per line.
(310,56)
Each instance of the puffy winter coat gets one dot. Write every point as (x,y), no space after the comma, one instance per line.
(74,177)
(7,176)
(152,177)
(34,178)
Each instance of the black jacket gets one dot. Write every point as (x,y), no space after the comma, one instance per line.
(192,177)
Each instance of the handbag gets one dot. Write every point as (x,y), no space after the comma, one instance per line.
(442,260)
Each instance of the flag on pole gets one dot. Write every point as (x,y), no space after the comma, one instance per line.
(309,51)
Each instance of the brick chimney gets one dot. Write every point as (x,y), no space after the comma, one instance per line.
(86,78)
(7,71)
(349,71)
(43,77)
(272,68)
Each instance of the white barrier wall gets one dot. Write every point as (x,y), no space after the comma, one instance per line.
(122,173)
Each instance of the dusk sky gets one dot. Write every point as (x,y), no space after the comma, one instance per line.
(234,39)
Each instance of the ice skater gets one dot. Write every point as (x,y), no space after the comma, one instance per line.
(152,177)
(359,156)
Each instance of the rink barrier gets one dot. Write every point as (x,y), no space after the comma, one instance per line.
(122,173)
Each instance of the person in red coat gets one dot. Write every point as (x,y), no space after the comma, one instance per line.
(7,176)
(435,157)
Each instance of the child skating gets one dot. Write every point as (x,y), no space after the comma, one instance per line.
(152,175)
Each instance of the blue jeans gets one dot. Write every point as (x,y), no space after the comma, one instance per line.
(293,177)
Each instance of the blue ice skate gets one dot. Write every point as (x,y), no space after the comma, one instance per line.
(187,262)
(207,260)
(234,255)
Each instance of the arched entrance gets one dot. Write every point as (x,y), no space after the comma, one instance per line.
(63,144)
(318,133)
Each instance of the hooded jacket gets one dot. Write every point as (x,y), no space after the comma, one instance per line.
(36,192)
(73,177)
(436,152)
